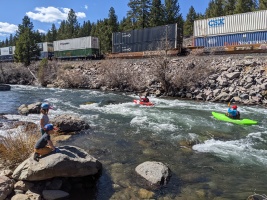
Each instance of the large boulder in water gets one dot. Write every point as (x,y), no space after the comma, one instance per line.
(4,87)
(69,123)
(33,108)
(155,172)
(71,161)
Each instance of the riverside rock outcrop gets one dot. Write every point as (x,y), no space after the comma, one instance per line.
(71,161)
(203,78)
(6,186)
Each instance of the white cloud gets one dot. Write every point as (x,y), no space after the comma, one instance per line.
(52,14)
(41,31)
(7,28)
(86,7)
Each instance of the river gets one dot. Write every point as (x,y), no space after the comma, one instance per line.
(226,161)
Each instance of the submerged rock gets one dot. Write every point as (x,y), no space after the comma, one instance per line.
(4,87)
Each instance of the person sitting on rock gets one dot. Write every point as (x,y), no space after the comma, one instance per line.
(145,99)
(44,145)
(233,113)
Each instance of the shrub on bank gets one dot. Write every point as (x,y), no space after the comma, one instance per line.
(16,147)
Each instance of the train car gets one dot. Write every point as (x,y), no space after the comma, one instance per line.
(239,29)
(77,48)
(237,39)
(46,50)
(7,54)
(231,24)
(167,37)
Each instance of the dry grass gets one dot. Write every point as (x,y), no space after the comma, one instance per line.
(15,148)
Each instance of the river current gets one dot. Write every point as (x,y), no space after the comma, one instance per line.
(224,161)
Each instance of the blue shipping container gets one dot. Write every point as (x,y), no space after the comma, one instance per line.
(232,39)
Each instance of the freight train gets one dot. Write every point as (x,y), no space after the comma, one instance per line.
(76,48)
(46,51)
(239,33)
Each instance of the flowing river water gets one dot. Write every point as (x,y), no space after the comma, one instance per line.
(224,160)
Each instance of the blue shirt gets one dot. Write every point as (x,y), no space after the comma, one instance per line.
(232,112)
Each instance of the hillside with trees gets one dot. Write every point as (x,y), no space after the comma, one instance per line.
(141,14)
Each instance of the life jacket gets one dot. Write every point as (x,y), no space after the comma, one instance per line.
(145,99)
(233,117)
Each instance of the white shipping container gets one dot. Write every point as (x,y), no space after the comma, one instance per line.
(6,51)
(238,23)
(45,46)
(76,43)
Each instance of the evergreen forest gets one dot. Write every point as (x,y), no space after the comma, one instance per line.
(141,14)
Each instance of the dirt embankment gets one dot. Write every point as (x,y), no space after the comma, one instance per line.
(207,78)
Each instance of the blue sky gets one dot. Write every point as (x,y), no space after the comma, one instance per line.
(45,12)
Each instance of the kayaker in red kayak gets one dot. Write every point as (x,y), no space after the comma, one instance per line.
(145,99)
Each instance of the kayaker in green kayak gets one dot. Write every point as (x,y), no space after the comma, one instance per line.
(233,112)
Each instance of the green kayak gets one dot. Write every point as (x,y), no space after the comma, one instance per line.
(223,117)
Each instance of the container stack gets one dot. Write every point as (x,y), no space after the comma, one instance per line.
(239,29)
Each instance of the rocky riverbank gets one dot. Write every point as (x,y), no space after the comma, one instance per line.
(206,78)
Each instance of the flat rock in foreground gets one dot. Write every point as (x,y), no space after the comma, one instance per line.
(71,161)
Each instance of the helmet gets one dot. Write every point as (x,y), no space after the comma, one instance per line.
(45,106)
(234,107)
(49,127)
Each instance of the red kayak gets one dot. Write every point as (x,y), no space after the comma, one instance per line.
(143,103)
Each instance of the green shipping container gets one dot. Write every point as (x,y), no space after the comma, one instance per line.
(75,48)
(77,53)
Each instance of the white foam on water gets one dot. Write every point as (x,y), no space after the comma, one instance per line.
(12,131)
(35,118)
(242,151)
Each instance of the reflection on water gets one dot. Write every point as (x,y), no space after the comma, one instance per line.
(208,158)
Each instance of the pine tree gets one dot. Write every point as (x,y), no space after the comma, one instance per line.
(26,47)
(113,26)
(54,32)
(218,8)
(125,24)
(229,7)
(139,13)
(243,6)
(172,12)
(11,40)
(72,25)
(210,9)
(48,37)
(262,4)
(62,31)
(113,20)
(189,22)
(156,16)
(85,29)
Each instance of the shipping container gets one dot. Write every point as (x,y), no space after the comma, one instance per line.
(7,54)
(147,39)
(230,24)
(6,51)
(46,50)
(232,39)
(84,47)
